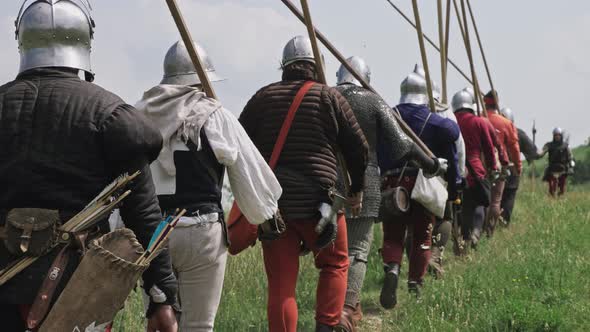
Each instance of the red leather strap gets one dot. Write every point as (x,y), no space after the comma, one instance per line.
(278,148)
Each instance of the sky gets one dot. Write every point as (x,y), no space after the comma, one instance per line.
(537,51)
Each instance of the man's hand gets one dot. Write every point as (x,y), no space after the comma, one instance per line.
(356,203)
(442,165)
(272,229)
(163,320)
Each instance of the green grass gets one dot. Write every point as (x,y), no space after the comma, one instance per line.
(534,276)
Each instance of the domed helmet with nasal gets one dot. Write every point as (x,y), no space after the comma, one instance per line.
(179,68)
(557,134)
(463,100)
(297,49)
(55,33)
(414,89)
(357,63)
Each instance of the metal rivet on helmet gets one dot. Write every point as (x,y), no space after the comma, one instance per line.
(357,63)
(179,68)
(56,33)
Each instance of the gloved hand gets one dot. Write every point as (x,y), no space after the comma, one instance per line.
(272,229)
(327,227)
(441,168)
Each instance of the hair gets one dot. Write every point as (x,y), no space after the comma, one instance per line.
(300,70)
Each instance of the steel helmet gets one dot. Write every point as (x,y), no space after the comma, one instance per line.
(344,76)
(463,99)
(507,113)
(413,88)
(55,33)
(557,131)
(297,49)
(179,68)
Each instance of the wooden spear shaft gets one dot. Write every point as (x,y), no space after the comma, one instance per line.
(190,46)
(314,42)
(483,55)
(424,56)
(465,36)
(443,55)
(404,126)
(433,44)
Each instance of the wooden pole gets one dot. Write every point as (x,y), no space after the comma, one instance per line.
(443,55)
(314,42)
(433,44)
(465,34)
(190,46)
(483,55)
(404,126)
(424,55)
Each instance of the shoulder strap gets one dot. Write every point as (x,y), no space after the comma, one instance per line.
(280,143)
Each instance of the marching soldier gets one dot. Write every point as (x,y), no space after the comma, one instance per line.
(385,138)
(202,140)
(560,163)
(439,135)
(323,123)
(508,138)
(63,140)
(478,141)
(513,180)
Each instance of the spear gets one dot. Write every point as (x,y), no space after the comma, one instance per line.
(483,55)
(190,47)
(424,56)
(533,169)
(433,44)
(443,48)
(322,78)
(404,126)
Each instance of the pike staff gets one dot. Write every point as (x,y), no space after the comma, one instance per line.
(407,130)
(483,55)
(443,50)
(465,34)
(190,46)
(424,55)
(433,44)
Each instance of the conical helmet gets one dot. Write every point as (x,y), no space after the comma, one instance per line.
(414,89)
(463,99)
(297,49)
(55,33)
(179,68)
(344,76)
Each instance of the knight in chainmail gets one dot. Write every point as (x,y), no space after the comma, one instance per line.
(386,141)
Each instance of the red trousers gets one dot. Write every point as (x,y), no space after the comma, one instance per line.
(281,261)
(421,222)
(554,182)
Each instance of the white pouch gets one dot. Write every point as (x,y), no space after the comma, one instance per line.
(431,193)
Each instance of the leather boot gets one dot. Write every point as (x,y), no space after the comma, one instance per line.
(319,327)
(435,266)
(388,296)
(347,323)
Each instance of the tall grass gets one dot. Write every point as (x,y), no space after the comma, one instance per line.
(533,276)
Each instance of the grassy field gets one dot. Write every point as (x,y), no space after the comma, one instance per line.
(533,276)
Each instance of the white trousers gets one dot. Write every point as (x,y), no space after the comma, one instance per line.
(198,255)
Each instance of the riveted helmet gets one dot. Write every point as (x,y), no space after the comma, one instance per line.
(297,49)
(55,33)
(179,68)
(463,100)
(413,88)
(507,113)
(361,67)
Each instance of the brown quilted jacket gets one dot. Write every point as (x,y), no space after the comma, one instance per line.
(307,167)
